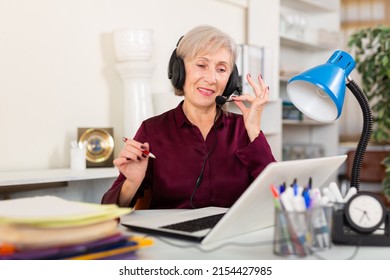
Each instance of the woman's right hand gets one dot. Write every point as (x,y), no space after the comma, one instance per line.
(132,162)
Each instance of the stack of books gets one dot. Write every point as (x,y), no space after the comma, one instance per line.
(49,227)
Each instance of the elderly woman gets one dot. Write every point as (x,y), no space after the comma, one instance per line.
(204,155)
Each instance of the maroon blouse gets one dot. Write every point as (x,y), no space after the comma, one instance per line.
(180,151)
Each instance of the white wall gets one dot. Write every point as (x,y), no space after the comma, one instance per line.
(57,67)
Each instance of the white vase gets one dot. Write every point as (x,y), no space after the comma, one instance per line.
(132,44)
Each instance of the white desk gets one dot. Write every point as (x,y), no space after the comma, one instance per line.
(257,245)
(85,185)
(27,177)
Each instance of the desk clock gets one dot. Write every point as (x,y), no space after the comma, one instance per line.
(364,220)
(99,146)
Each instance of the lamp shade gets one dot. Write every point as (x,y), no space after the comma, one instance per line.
(319,92)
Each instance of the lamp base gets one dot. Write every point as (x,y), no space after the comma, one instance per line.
(343,234)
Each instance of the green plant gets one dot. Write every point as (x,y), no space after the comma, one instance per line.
(386,180)
(371,49)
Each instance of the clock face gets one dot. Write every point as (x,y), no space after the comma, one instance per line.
(365,212)
(99,144)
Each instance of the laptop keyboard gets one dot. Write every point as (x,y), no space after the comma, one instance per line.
(196,224)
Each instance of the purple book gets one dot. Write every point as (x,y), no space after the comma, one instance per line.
(53,253)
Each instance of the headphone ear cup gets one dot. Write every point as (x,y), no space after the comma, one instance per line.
(176,71)
(233,83)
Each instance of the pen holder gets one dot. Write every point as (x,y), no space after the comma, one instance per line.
(78,160)
(302,233)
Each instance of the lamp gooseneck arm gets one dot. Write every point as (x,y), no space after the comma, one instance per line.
(365,135)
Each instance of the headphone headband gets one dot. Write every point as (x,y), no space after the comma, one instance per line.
(177,73)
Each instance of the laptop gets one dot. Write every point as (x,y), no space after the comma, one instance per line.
(254,209)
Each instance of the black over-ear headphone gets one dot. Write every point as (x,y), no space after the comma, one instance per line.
(177,74)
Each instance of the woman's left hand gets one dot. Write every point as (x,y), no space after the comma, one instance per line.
(252,114)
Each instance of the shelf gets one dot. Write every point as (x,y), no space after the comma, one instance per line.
(285,40)
(284,79)
(285,76)
(271,132)
(238,3)
(308,29)
(14,178)
(304,123)
(312,6)
(370,146)
(362,24)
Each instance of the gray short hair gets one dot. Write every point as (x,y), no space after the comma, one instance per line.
(201,38)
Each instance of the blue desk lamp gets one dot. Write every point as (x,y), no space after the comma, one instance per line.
(319,93)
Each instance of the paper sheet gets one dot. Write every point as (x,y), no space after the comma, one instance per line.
(53,211)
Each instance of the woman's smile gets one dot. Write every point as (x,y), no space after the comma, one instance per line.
(205,91)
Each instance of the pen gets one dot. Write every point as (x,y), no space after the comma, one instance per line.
(307,198)
(310,184)
(285,243)
(282,188)
(145,152)
(350,193)
(321,229)
(276,197)
(287,202)
(336,192)
(299,221)
(327,192)
(319,220)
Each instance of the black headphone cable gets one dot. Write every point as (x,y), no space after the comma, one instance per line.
(200,178)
